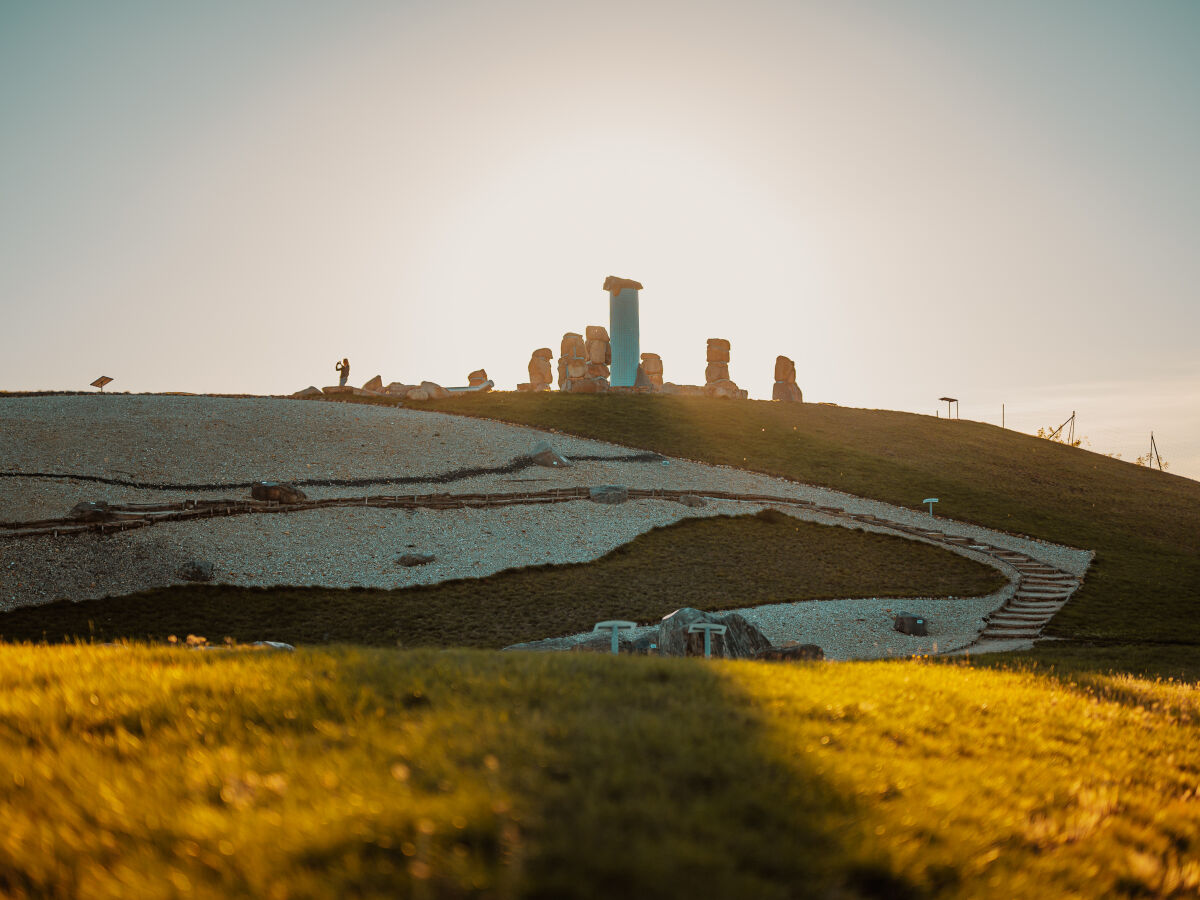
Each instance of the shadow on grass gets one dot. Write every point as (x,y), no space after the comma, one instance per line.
(667,783)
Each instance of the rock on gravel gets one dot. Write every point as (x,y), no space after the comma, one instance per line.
(196,570)
(279,493)
(611,494)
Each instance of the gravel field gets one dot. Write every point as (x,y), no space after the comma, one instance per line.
(182,440)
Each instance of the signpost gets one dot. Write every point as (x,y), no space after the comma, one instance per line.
(616,625)
(930,501)
(708,628)
(101,382)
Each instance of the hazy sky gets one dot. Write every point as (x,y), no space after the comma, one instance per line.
(999,201)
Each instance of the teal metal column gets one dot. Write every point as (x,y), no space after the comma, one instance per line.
(623,332)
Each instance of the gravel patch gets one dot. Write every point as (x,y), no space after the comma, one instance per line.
(208,439)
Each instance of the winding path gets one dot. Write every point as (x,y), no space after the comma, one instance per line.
(1040,589)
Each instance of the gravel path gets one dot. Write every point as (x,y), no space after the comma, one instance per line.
(206,440)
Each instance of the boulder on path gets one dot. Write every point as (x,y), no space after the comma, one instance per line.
(693,500)
(910,624)
(545,455)
(418,558)
(791,653)
(90,511)
(740,641)
(611,494)
(375,385)
(196,570)
(278,492)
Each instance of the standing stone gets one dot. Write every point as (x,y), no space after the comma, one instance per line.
(476,378)
(785,388)
(718,350)
(740,641)
(541,372)
(583,366)
(375,384)
(716,375)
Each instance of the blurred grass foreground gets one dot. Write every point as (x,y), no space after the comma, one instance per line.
(167,772)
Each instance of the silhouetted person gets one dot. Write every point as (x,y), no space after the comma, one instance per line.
(344,368)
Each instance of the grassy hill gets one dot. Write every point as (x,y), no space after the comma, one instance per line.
(356,772)
(1144,525)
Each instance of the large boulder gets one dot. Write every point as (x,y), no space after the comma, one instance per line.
(572,346)
(417,393)
(652,363)
(540,370)
(716,372)
(277,492)
(90,511)
(530,387)
(723,389)
(615,285)
(476,378)
(740,641)
(611,494)
(906,623)
(785,370)
(596,370)
(718,350)
(596,333)
(309,391)
(416,558)
(543,353)
(576,368)
(586,386)
(435,391)
(375,385)
(788,393)
(597,352)
(398,388)
(545,455)
(196,570)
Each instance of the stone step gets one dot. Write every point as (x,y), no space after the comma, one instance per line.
(996,622)
(1001,633)
(1019,603)
(1009,631)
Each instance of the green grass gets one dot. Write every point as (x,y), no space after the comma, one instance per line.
(1144,525)
(710,563)
(135,772)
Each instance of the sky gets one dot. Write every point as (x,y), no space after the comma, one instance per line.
(998,202)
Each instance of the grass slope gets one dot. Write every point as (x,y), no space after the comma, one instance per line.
(1144,525)
(134,772)
(711,563)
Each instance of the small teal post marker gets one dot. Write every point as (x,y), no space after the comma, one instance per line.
(708,628)
(930,501)
(616,625)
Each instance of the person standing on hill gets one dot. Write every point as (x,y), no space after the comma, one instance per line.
(344,368)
